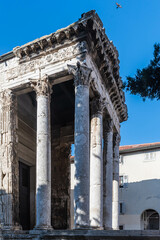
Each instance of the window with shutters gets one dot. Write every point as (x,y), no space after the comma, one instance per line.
(150,156)
(123,181)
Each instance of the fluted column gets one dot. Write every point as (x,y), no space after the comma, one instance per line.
(43,162)
(81,141)
(9,165)
(108,173)
(115,200)
(96,164)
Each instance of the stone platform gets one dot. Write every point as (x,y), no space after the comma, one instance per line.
(82,234)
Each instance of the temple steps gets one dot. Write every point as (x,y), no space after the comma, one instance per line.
(82,235)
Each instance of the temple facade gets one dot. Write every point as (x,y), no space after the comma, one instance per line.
(58,90)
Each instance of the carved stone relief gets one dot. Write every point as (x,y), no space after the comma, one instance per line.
(81,74)
(9,162)
(30,65)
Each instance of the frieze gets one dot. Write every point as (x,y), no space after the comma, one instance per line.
(33,65)
(52,48)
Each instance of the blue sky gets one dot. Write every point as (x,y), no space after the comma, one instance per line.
(134,29)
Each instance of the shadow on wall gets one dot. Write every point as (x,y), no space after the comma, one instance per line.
(138,197)
(81,209)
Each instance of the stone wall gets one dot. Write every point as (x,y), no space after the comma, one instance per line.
(27,155)
(9,174)
(60,185)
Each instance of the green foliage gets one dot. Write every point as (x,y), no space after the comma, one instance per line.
(146,82)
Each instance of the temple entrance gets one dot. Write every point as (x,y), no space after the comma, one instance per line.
(62,136)
(24,195)
(150,220)
(62,132)
(26,106)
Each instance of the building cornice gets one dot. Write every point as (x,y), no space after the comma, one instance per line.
(89,28)
(139,147)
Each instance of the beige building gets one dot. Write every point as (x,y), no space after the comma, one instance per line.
(139,187)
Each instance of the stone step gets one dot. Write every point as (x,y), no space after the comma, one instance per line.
(82,235)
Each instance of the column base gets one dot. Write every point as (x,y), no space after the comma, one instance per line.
(108,228)
(15,227)
(115,229)
(82,227)
(96,228)
(43,227)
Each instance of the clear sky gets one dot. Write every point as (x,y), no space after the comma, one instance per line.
(134,29)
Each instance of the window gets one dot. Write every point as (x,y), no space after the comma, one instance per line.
(121,227)
(150,156)
(123,181)
(121,159)
(121,208)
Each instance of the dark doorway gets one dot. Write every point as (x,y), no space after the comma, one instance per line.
(24,195)
(150,220)
(62,129)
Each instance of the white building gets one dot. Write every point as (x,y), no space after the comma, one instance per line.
(139,186)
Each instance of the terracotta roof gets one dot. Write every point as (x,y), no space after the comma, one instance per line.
(138,147)
(72,159)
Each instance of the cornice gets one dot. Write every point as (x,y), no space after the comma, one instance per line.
(90,28)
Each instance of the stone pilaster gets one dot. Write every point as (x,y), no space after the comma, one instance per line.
(108,173)
(81,141)
(96,164)
(115,200)
(9,167)
(43,163)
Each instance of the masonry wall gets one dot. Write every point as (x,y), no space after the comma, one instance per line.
(27,145)
(27,155)
(141,186)
(60,187)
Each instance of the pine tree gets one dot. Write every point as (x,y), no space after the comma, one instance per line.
(146,82)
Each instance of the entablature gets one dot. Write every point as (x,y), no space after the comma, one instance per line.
(52,53)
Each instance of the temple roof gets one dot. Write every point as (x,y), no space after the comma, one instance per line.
(89,28)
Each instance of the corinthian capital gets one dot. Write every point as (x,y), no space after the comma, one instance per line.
(8,97)
(97,105)
(81,74)
(42,86)
(116,139)
(108,125)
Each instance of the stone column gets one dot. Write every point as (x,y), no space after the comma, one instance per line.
(115,200)
(81,141)
(9,165)
(108,173)
(96,164)
(43,162)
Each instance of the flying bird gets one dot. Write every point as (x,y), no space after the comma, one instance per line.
(118,5)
